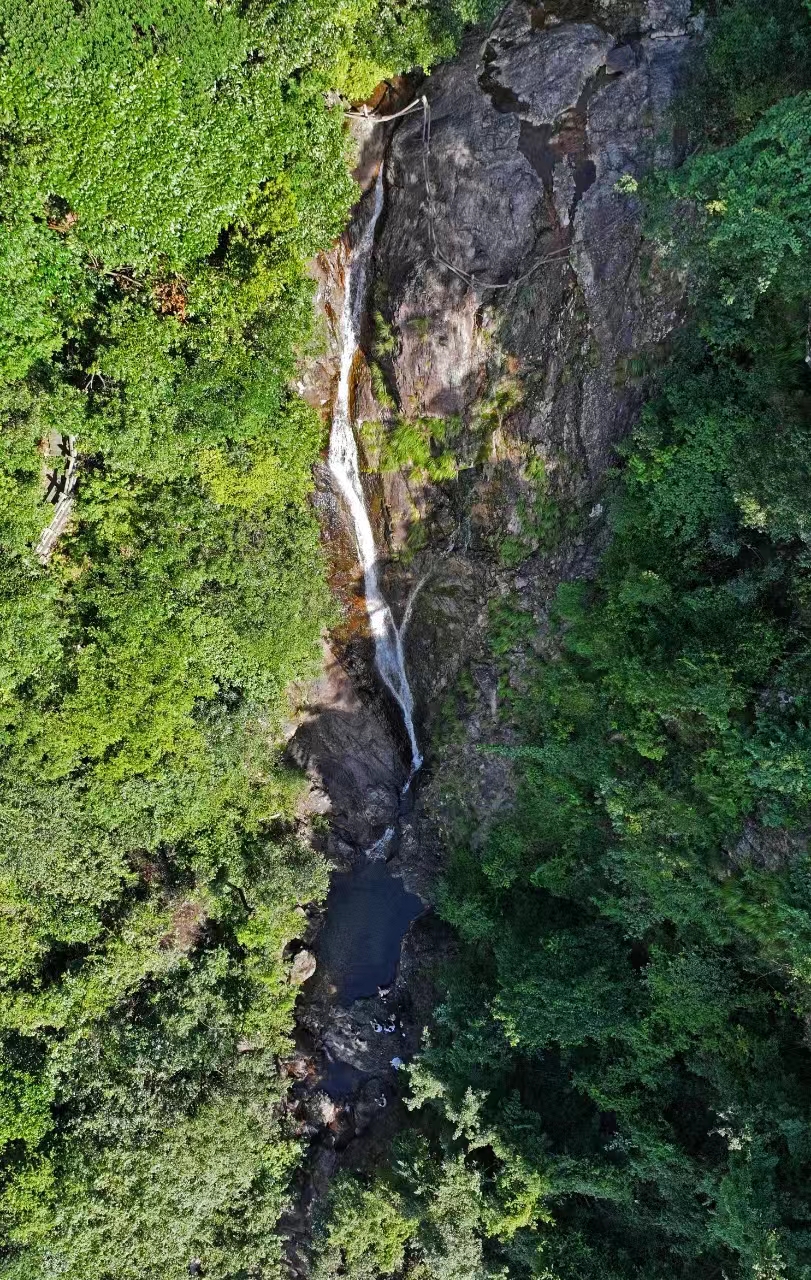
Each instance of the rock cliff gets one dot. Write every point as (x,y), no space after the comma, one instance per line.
(516,309)
(531,130)
(514,314)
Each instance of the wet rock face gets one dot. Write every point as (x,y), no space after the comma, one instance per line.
(531,129)
(530,132)
(539,75)
(356,768)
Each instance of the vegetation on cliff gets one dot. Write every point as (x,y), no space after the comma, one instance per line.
(617,1083)
(167,168)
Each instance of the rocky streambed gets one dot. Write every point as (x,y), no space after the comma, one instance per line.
(512,316)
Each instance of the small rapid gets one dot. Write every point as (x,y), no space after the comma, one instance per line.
(345,469)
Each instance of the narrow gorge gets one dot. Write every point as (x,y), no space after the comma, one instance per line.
(494,297)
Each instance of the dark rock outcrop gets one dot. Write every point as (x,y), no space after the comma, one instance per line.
(531,130)
(767,848)
(356,769)
(530,133)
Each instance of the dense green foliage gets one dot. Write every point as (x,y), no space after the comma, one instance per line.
(617,1084)
(167,168)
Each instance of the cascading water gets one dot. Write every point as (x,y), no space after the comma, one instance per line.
(345,468)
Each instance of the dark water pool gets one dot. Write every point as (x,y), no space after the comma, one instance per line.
(368,912)
(341,1080)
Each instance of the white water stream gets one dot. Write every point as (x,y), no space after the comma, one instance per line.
(343,463)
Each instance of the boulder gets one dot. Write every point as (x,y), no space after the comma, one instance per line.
(303,967)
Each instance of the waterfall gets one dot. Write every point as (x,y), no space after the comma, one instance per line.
(345,468)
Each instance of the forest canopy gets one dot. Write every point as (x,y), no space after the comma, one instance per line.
(168,167)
